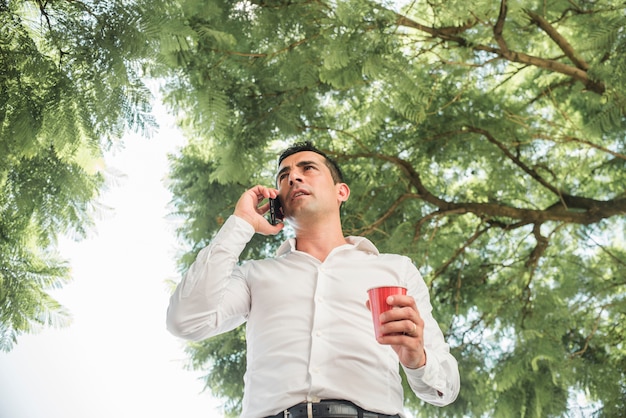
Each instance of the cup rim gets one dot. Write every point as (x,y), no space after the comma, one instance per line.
(387,286)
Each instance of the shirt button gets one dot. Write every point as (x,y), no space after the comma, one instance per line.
(318,333)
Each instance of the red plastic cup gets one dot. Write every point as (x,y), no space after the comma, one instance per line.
(378,303)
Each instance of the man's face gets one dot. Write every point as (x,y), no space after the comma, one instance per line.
(305,185)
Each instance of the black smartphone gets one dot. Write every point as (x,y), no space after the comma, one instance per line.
(276,211)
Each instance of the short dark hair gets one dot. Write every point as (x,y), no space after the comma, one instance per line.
(332,165)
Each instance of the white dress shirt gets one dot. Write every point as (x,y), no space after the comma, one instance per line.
(309,334)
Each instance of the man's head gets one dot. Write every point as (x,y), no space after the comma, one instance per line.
(332,165)
(309,184)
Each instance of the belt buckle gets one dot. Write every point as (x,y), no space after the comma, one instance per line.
(309,411)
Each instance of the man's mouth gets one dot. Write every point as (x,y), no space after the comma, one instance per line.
(299,193)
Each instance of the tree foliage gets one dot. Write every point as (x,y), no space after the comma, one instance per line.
(70,85)
(483,139)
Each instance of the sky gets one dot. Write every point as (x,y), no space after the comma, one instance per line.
(116,359)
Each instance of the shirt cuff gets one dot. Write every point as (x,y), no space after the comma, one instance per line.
(428,381)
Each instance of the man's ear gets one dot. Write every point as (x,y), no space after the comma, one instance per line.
(343,192)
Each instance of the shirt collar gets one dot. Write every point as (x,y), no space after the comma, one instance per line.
(357,243)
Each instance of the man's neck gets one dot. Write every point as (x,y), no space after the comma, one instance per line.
(319,243)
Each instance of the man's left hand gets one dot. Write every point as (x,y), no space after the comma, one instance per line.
(403,329)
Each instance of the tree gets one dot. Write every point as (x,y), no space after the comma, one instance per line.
(70,85)
(485,140)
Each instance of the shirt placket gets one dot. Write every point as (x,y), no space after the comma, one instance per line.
(319,334)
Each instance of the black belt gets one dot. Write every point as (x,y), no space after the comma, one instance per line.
(329,409)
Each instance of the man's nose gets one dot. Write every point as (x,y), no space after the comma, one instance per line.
(294,177)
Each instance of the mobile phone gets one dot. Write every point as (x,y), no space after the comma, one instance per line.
(276,211)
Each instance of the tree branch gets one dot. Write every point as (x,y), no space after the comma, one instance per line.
(514,159)
(558,39)
(590,336)
(540,248)
(432,215)
(499,27)
(547,64)
(444,266)
(569,209)
(605,250)
(548,90)
(595,146)
(390,211)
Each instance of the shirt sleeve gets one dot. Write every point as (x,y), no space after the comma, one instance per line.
(438,382)
(213,296)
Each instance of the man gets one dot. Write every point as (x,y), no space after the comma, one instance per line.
(311,346)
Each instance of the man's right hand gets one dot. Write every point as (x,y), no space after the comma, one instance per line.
(249,208)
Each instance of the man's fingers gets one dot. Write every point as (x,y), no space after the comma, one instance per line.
(250,208)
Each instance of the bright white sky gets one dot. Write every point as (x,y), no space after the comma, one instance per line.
(116,360)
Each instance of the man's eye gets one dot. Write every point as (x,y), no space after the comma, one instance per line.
(282,177)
